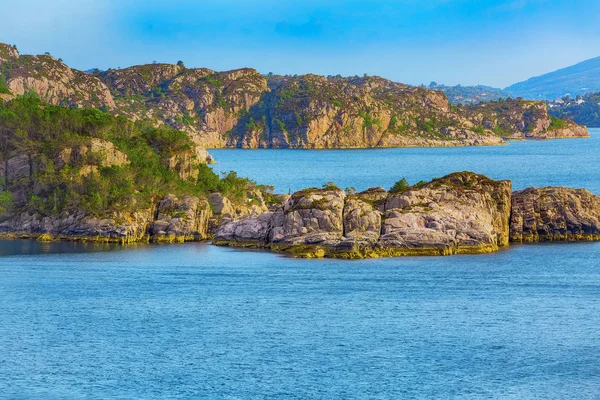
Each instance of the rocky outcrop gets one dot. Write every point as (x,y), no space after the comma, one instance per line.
(79,226)
(171,220)
(136,92)
(310,220)
(204,103)
(313,111)
(554,214)
(180,220)
(52,80)
(222,206)
(96,153)
(460,213)
(249,231)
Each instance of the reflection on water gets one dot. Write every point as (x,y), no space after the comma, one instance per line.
(24,247)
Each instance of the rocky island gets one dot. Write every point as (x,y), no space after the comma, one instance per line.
(462,213)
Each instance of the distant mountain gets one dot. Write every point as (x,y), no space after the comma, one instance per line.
(469,94)
(579,79)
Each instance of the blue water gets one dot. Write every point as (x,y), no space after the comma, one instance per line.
(196,321)
(569,162)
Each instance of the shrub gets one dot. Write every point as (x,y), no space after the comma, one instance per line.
(557,123)
(400,186)
(329,186)
(6,202)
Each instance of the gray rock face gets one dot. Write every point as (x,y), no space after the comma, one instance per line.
(554,214)
(361,221)
(458,213)
(96,152)
(121,228)
(221,205)
(180,220)
(249,231)
(310,217)
(174,220)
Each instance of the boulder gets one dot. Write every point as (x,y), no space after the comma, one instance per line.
(121,227)
(554,214)
(95,153)
(249,231)
(221,205)
(460,213)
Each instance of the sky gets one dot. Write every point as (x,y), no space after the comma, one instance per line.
(466,42)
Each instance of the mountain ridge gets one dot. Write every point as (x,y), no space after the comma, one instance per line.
(577,79)
(242,108)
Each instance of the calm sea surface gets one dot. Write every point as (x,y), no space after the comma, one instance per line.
(201,322)
(572,162)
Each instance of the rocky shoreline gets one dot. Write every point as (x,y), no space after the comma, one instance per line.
(461,213)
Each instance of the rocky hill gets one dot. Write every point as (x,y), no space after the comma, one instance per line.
(584,110)
(575,80)
(523,119)
(242,108)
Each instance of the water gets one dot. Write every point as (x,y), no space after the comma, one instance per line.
(572,162)
(202,322)
(197,321)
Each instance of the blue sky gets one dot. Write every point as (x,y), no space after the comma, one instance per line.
(414,41)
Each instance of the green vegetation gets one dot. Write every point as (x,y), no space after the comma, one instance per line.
(212,80)
(396,127)
(400,187)
(425,126)
(330,186)
(6,202)
(557,123)
(368,120)
(3,85)
(46,132)
(336,103)
(298,119)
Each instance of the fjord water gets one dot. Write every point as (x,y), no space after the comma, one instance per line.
(569,162)
(203,322)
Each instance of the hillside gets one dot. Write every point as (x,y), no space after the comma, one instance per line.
(82,173)
(469,94)
(242,108)
(574,80)
(583,110)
